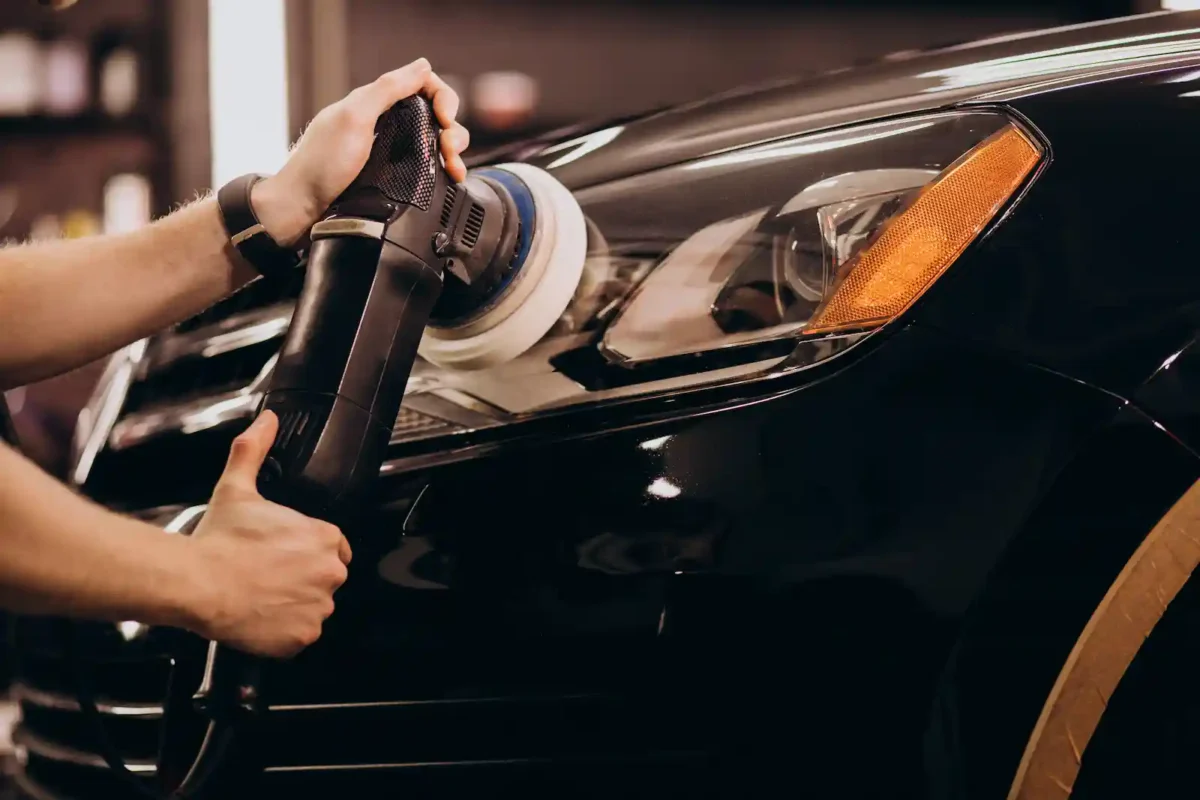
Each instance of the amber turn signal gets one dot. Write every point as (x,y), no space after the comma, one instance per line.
(920,243)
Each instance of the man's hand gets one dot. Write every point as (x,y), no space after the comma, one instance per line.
(270,572)
(335,147)
(66,304)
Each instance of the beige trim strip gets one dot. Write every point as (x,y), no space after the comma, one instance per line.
(347,226)
(1124,619)
(253,230)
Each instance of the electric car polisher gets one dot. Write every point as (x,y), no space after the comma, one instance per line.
(405,262)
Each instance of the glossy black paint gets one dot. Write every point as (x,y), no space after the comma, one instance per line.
(789,611)
(857,582)
(953,75)
(1171,395)
(1088,277)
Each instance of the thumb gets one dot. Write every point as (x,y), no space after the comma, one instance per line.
(248,452)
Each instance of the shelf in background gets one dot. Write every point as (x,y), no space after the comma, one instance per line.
(94,124)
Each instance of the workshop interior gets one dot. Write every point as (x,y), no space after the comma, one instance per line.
(794,397)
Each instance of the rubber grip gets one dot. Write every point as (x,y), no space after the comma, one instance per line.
(404,160)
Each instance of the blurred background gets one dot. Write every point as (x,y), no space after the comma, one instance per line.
(115,110)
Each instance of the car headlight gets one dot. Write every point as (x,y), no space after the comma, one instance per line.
(746,263)
(738,267)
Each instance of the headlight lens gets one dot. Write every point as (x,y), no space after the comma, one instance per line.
(744,263)
(912,249)
(761,276)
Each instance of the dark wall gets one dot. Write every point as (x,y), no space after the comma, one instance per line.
(607,58)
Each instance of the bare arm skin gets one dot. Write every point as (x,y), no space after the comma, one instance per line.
(61,554)
(65,304)
(254,575)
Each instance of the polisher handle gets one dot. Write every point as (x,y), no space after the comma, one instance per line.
(369,290)
(341,372)
(403,165)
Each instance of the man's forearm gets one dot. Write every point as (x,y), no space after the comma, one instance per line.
(64,304)
(62,555)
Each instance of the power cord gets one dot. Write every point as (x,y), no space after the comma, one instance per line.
(212,756)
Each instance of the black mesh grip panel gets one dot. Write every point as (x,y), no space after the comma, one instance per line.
(404,160)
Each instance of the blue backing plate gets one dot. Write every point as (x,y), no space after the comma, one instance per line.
(526,212)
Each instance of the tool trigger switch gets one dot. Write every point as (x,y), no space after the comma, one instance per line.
(270,472)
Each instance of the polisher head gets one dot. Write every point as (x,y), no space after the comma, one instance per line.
(529,280)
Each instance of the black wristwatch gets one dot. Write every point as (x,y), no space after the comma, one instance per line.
(247,234)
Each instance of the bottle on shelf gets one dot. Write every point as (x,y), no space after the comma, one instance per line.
(21,68)
(80,223)
(127,202)
(65,81)
(119,74)
(45,227)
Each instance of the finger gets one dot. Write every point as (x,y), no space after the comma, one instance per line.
(249,451)
(445,100)
(392,87)
(455,140)
(457,168)
(344,552)
(337,578)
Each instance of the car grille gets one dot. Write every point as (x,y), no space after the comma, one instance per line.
(255,295)
(128,664)
(55,749)
(456,745)
(190,390)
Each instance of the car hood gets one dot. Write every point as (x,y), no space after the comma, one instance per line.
(993,69)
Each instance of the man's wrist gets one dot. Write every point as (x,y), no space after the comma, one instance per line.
(181,596)
(282,211)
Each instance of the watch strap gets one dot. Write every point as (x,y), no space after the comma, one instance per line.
(246,233)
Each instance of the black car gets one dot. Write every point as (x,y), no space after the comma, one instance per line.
(861,466)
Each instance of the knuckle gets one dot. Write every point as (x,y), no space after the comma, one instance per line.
(419,66)
(328,115)
(333,575)
(390,81)
(330,535)
(348,113)
(229,492)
